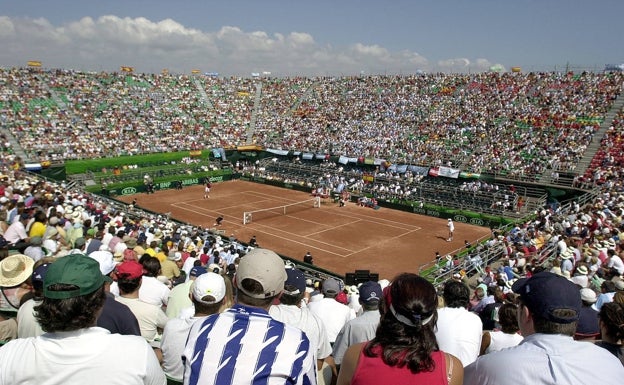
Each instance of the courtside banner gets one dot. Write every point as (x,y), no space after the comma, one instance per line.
(419,170)
(449,172)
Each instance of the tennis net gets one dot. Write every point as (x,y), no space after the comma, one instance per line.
(254,215)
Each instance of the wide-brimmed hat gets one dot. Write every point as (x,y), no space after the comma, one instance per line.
(15,269)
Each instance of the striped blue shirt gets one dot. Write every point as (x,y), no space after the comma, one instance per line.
(244,345)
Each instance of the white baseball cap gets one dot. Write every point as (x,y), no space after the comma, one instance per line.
(208,284)
(105,259)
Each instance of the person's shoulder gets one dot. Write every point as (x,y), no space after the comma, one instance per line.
(174,324)
(16,345)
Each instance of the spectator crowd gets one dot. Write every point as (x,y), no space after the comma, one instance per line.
(518,125)
(116,293)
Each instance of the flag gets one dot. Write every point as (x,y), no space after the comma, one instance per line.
(449,172)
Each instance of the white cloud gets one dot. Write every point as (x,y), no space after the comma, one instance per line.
(7,29)
(108,42)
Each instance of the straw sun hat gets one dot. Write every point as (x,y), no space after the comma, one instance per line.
(15,269)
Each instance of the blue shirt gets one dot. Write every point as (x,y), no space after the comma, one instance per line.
(359,329)
(546,359)
(244,345)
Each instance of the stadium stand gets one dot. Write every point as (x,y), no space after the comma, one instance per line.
(533,127)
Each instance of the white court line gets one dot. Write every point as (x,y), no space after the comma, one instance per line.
(180,206)
(221,208)
(365,217)
(308,244)
(273,196)
(359,218)
(384,241)
(331,228)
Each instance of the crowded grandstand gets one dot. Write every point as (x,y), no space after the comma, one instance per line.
(536,157)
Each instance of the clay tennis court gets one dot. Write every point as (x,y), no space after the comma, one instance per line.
(341,239)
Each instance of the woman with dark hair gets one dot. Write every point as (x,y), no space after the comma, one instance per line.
(508,336)
(612,327)
(404,349)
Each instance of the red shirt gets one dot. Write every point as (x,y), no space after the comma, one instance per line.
(370,370)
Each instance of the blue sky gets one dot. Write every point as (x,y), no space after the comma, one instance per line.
(321,37)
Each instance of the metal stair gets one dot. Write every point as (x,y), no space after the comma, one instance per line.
(202,93)
(252,121)
(18,151)
(594,146)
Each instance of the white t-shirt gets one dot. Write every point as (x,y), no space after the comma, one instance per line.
(500,340)
(616,262)
(84,356)
(153,291)
(459,333)
(333,314)
(304,319)
(27,325)
(172,345)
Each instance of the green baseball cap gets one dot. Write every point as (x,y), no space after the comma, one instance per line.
(74,269)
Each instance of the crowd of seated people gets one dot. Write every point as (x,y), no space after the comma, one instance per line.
(519,125)
(170,256)
(42,221)
(607,162)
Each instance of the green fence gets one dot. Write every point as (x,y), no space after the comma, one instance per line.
(136,187)
(147,160)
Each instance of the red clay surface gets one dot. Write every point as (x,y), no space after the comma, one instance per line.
(341,239)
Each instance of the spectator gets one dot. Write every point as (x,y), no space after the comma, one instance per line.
(38,227)
(404,349)
(547,315)
(15,273)
(115,317)
(35,250)
(458,331)
(361,328)
(507,336)
(73,295)
(16,233)
(179,303)
(207,294)
(241,357)
(489,315)
(292,311)
(170,267)
(27,325)
(153,290)
(483,296)
(587,326)
(612,328)
(333,313)
(151,318)
(607,291)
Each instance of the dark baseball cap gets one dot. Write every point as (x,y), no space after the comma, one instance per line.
(370,292)
(546,292)
(295,282)
(196,271)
